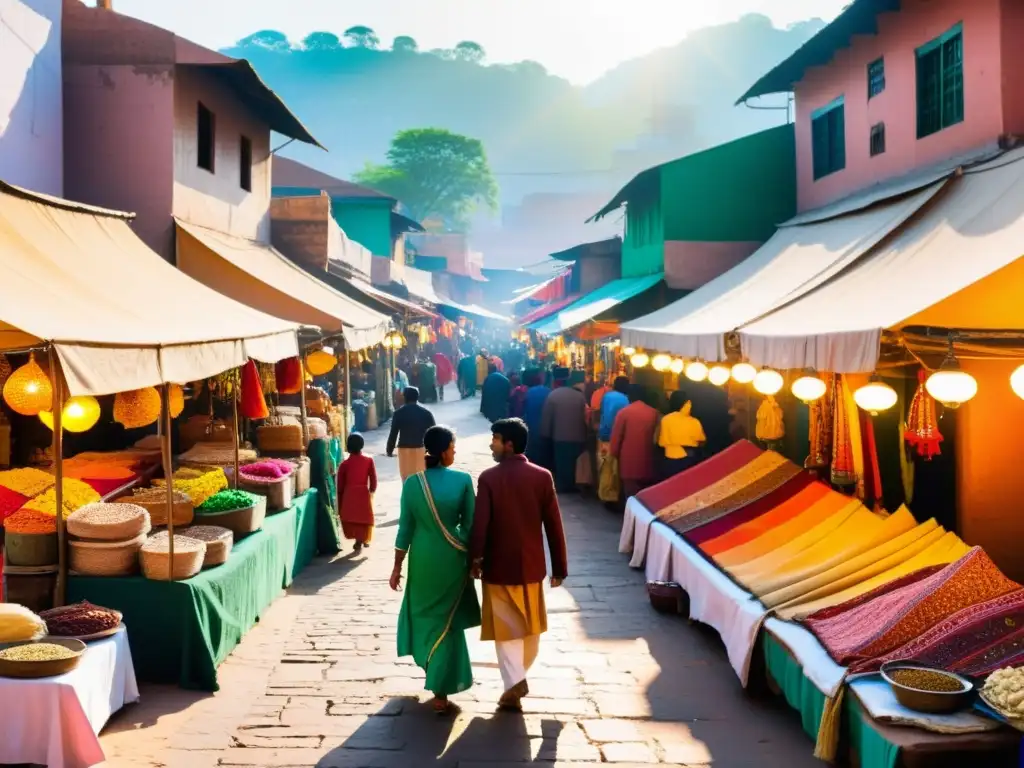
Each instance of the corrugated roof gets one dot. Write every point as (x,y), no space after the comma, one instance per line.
(286,172)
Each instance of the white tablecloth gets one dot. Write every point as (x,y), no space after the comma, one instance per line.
(56,721)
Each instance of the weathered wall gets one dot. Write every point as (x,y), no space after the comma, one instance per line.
(299,229)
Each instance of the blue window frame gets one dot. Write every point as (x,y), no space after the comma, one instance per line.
(828,138)
(940,83)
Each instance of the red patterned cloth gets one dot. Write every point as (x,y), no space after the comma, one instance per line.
(719,466)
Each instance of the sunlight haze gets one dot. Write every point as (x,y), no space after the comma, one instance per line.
(576,39)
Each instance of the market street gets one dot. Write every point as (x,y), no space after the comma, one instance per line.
(317,681)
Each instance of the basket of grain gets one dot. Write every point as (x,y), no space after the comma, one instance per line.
(156,557)
(218,542)
(48,657)
(118,522)
(215,454)
(154,501)
(105,558)
(241,512)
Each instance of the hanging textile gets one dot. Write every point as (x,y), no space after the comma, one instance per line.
(770,426)
(922,429)
(906,467)
(872,472)
(819,421)
(843,473)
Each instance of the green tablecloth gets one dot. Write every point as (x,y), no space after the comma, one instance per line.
(182,631)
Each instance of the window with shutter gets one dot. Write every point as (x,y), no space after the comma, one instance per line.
(876,77)
(940,83)
(828,138)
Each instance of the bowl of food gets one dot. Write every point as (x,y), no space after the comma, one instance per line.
(926,689)
(48,657)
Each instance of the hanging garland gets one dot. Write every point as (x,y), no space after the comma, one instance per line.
(922,428)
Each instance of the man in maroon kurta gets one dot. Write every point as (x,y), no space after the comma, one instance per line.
(633,442)
(516,505)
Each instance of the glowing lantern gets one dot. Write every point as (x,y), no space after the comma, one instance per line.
(639,360)
(719,375)
(768,382)
(28,390)
(697,371)
(743,373)
(628,351)
(138,408)
(1017,382)
(661,363)
(677,366)
(388,342)
(320,363)
(808,389)
(175,400)
(875,396)
(80,414)
(951,386)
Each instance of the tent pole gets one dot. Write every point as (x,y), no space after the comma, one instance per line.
(303,416)
(234,417)
(348,392)
(57,383)
(165,451)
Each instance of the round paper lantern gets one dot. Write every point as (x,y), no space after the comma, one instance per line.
(175,400)
(951,386)
(320,363)
(875,396)
(138,408)
(398,341)
(80,414)
(808,389)
(697,371)
(639,360)
(388,342)
(677,366)
(1017,382)
(743,373)
(28,390)
(661,363)
(719,375)
(628,351)
(768,382)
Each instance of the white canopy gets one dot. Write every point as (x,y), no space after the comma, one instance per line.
(797,259)
(119,316)
(969,240)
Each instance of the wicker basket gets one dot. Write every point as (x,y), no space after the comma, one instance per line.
(218,542)
(277,490)
(154,501)
(239,521)
(215,454)
(109,522)
(32,670)
(155,557)
(106,558)
(279,437)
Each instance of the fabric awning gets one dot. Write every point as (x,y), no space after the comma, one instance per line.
(399,304)
(261,277)
(547,310)
(957,265)
(795,260)
(420,284)
(120,316)
(597,302)
(552,289)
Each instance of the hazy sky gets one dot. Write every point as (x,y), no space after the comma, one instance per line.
(577,39)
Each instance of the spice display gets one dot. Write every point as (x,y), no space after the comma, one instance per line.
(31,522)
(270,470)
(96,470)
(37,652)
(926,680)
(217,454)
(160,542)
(253,404)
(227,501)
(80,620)
(19,625)
(28,390)
(109,522)
(28,482)
(1005,689)
(197,484)
(208,533)
(159,495)
(76,495)
(10,502)
(138,408)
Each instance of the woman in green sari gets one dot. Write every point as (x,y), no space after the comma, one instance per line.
(440,602)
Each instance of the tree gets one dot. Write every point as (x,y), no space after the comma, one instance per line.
(266,38)
(443,53)
(321,41)
(437,174)
(533,68)
(362,37)
(469,51)
(405,44)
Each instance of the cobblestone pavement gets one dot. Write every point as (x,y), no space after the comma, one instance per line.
(317,681)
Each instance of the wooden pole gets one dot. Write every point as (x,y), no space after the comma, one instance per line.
(165,451)
(348,392)
(57,384)
(304,425)
(234,418)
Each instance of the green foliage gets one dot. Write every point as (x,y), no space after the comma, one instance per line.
(321,41)
(469,51)
(437,174)
(270,39)
(405,44)
(362,37)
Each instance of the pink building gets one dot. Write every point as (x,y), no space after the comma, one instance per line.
(168,129)
(894,86)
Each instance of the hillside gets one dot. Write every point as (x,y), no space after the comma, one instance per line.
(542,133)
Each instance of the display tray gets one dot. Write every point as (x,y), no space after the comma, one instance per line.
(181,631)
(96,635)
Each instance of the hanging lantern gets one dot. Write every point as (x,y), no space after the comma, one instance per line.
(719,375)
(949,385)
(288,375)
(175,400)
(808,389)
(138,408)
(743,373)
(320,363)
(661,363)
(768,382)
(875,396)
(388,342)
(5,370)
(922,429)
(1017,382)
(628,351)
(678,364)
(80,414)
(28,390)
(397,340)
(697,371)
(639,360)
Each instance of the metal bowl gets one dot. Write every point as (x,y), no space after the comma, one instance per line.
(933,702)
(38,669)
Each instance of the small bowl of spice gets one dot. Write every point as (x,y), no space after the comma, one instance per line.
(925,689)
(49,657)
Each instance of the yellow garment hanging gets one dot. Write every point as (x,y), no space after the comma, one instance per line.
(770,426)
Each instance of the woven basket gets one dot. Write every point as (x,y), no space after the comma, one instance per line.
(218,542)
(279,437)
(155,557)
(154,501)
(215,454)
(88,522)
(33,670)
(239,521)
(665,596)
(277,490)
(108,558)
